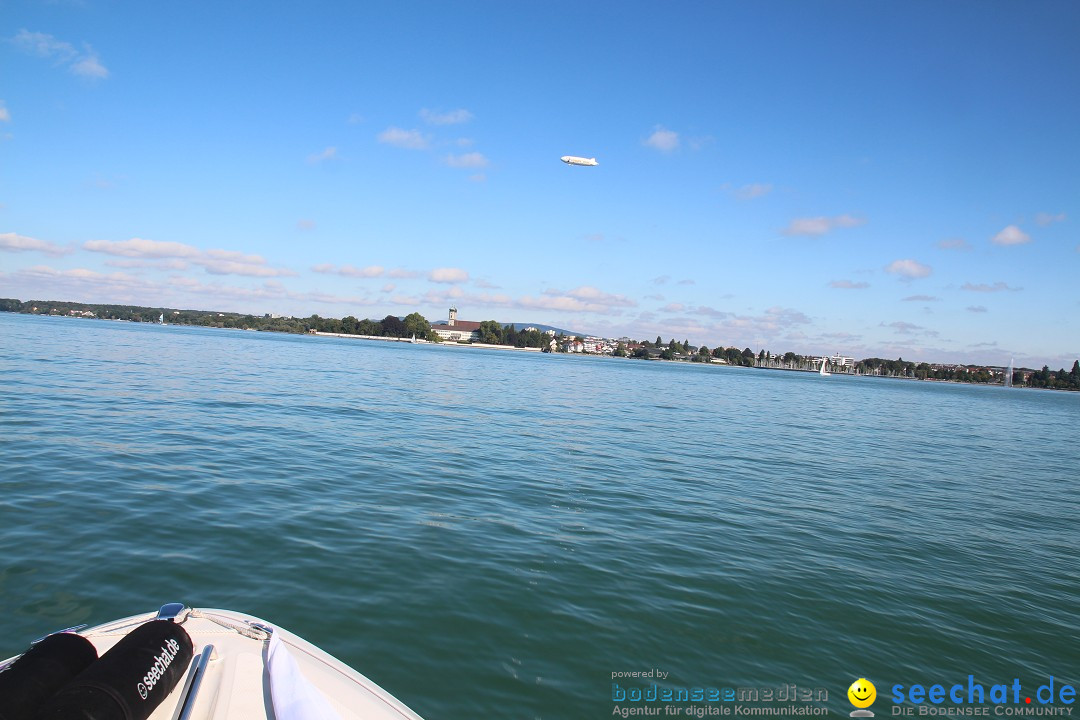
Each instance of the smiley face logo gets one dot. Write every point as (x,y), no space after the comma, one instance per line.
(862,693)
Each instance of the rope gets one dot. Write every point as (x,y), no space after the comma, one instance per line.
(247,631)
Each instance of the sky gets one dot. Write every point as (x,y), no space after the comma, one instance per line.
(871,179)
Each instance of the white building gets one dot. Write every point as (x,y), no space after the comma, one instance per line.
(457,330)
(838,360)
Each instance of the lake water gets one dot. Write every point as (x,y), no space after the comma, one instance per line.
(493,534)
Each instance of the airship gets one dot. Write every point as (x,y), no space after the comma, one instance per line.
(574,160)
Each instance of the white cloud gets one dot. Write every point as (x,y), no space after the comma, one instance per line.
(754,190)
(848,285)
(5,116)
(663,140)
(908,269)
(271,290)
(808,226)
(355,119)
(304,224)
(582,299)
(455,296)
(90,66)
(1011,235)
(169,264)
(954,244)
(466,160)
(233,256)
(408,139)
(388,288)
(713,312)
(87,285)
(371,271)
(328,154)
(408,300)
(11,242)
(44,45)
(402,274)
(80,274)
(141,248)
(595,295)
(1044,219)
(85,63)
(842,336)
(787,316)
(448,275)
(560,303)
(906,328)
(985,288)
(976,308)
(230,262)
(452,117)
(821,225)
(847,221)
(329,298)
(102,183)
(216,262)
(221,266)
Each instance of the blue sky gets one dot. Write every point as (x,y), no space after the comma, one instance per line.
(874,179)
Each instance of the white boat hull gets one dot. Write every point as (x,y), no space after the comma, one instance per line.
(235,682)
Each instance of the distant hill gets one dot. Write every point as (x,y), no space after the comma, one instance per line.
(522,326)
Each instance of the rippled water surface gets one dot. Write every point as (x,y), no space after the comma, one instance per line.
(492,534)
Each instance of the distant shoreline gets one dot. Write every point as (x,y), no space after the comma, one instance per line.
(874,367)
(488,346)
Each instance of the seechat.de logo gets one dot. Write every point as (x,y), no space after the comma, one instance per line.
(862,694)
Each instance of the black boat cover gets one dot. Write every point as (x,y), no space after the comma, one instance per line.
(42,670)
(130,680)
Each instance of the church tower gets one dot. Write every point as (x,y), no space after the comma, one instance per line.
(453,316)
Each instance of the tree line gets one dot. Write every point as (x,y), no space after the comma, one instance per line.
(412,325)
(491,332)
(675,350)
(1046,378)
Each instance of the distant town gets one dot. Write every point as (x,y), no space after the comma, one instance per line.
(532,338)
